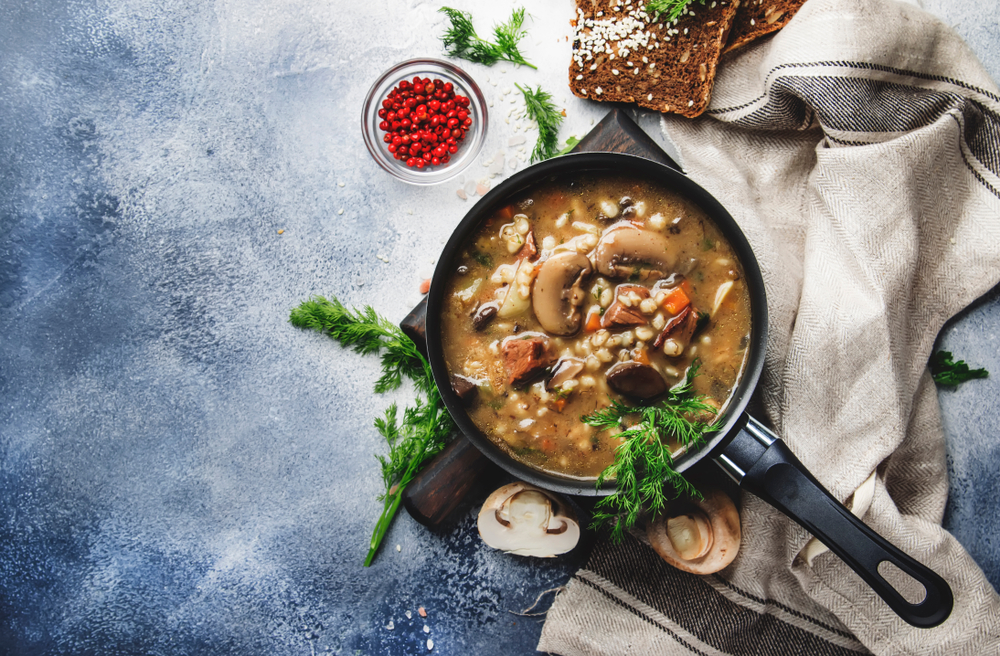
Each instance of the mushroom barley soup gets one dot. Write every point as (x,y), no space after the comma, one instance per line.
(582,291)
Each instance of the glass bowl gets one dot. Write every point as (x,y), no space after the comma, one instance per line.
(468,149)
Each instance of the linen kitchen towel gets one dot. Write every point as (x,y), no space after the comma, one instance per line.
(859,150)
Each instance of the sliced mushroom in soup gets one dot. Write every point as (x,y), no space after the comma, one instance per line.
(612,290)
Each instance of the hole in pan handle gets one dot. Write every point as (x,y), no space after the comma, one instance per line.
(764,465)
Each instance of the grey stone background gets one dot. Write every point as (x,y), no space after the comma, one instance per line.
(180,470)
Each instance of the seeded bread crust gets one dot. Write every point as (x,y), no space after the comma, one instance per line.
(660,66)
(756,18)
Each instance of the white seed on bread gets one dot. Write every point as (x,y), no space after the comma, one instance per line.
(631,36)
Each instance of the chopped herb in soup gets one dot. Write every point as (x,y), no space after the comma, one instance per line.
(585,291)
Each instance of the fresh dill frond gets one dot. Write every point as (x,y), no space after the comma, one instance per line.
(461,40)
(509,34)
(948,373)
(548,117)
(610,417)
(643,468)
(367,333)
(424,428)
(421,435)
(672,9)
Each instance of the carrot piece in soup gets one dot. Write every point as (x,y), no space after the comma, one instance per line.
(676,300)
(593,322)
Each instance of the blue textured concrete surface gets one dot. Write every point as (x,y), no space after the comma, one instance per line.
(972,427)
(181,470)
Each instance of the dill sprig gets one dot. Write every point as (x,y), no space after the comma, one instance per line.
(367,333)
(643,468)
(671,8)
(548,117)
(424,428)
(461,40)
(951,374)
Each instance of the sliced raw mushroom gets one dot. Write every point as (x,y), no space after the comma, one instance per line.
(624,250)
(558,292)
(636,380)
(522,519)
(701,537)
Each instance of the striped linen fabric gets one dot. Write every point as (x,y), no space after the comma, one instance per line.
(859,150)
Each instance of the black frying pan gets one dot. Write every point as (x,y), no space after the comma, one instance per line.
(746,450)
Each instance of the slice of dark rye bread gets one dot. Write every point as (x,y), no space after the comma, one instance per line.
(756,18)
(621,54)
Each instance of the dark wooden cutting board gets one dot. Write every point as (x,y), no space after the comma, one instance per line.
(461,469)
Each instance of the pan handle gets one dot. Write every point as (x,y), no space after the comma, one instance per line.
(762,464)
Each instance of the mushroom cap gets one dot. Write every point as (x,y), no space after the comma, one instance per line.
(558,292)
(701,537)
(564,369)
(636,380)
(625,248)
(522,519)
(484,314)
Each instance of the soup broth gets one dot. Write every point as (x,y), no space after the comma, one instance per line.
(580,291)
